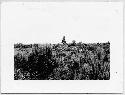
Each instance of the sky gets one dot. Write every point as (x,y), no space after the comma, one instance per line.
(49,22)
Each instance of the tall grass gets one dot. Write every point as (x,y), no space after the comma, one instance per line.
(73,61)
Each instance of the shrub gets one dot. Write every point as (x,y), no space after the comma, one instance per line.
(75,61)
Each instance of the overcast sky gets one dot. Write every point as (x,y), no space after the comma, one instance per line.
(49,22)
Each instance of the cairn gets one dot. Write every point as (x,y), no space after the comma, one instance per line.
(63,40)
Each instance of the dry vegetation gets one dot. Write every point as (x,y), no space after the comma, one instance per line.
(72,61)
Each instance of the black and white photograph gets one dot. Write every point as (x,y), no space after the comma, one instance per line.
(61,47)
(62,61)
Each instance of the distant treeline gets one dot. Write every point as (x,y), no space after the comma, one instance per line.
(20,45)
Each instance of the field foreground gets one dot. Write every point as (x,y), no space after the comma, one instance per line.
(72,61)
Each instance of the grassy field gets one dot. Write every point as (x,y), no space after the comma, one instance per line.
(69,61)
